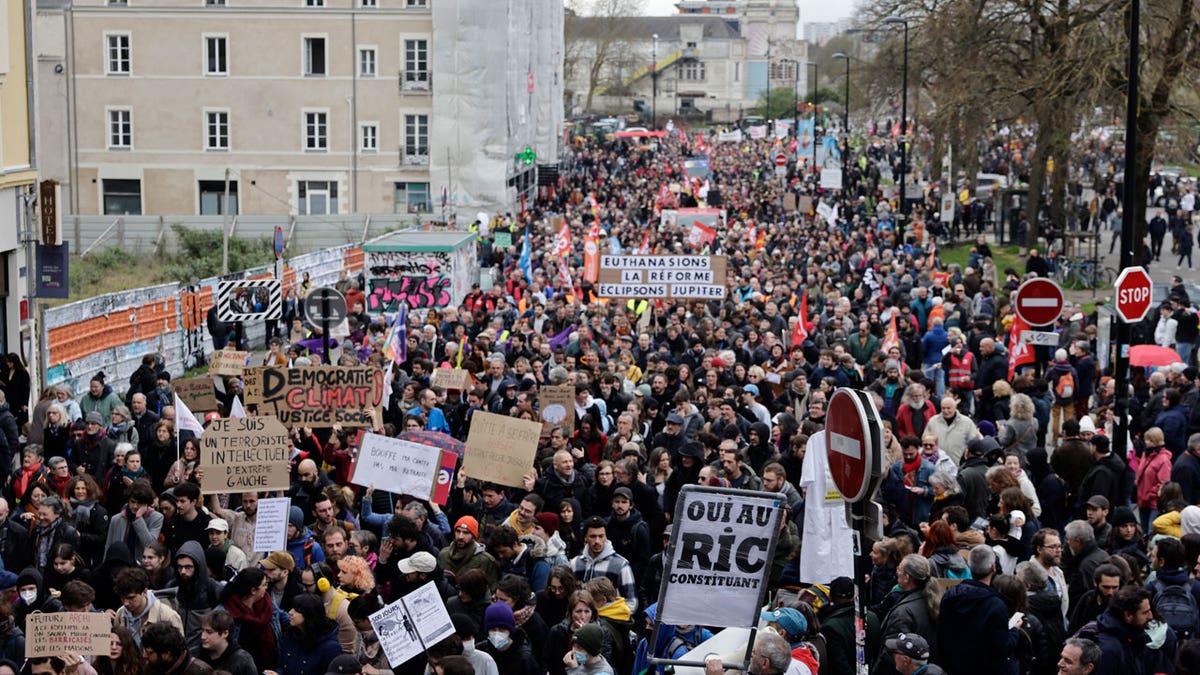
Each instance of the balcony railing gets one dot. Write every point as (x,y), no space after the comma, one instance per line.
(416,81)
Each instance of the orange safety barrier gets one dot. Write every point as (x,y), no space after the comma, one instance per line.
(353,259)
(83,338)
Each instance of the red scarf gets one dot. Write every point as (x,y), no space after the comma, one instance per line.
(21,483)
(60,484)
(256,635)
(910,470)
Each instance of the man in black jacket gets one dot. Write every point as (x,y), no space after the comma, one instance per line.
(1186,471)
(993,367)
(973,628)
(218,648)
(1107,476)
(910,613)
(972,476)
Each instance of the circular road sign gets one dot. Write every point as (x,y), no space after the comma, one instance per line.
(1133,292)
(1039,302)
(852,445)
(780,158)
(324,304)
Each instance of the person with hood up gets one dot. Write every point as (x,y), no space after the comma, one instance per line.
(629,534)
(93,453)
(688,463)
(309,643)
(195,592)
(219,649)
(760,450)
(973,628)
(300,542)
(256,621)
(139,607)
(507,644)
(33,597)
(137,524)
(1179,523)
(99,399)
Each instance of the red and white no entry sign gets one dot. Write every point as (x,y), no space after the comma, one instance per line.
(1039,302)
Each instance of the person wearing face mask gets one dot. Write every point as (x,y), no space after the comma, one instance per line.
(33,597)
(506,643)
(584,658)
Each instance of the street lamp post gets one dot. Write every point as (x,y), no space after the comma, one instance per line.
(845,130)
(814,105)
(654,82)
(903,129)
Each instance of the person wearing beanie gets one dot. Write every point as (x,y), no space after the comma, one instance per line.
(1126,536)
(1064,384)
(466,552)
(584,658)
(301,543)
(99,399)
(837,627)
(506,643)
(890,387)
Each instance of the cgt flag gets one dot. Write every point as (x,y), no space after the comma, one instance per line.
(591,253)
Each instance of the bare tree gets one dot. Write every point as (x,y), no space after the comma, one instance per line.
(596,35)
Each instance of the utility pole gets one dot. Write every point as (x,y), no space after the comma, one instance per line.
(225,227)
(1129,258)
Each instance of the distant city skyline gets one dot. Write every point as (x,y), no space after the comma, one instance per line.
(810,10)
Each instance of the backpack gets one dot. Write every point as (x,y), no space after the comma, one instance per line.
(1178,608)
(1065,387)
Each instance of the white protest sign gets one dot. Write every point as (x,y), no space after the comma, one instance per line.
(402,467)
(720,556)
(270,524)
(412,623)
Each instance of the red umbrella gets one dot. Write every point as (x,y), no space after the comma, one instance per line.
(1152,355)
(435,439)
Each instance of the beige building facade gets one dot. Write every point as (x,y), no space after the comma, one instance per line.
(306,107)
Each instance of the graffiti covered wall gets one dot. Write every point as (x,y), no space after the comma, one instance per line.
(422,279)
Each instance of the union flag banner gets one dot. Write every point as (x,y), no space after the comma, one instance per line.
(1019,353)
(700,235)
(562,241)
(591,254)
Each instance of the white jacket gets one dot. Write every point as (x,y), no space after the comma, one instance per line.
(1164,331)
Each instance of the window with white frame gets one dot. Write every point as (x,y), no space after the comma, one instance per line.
(367,66)
(120,129)
(416,3)
(214,3)
(368,3)
(317,197)
(416,60)
(410,198)
(693,70)
(216,130)
(118,61)
(368,137)
(416,136)
(216,55)
(316,131)
(314,3)
(314,56)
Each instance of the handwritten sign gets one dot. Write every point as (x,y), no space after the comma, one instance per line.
(270,524)
(501,448)
(322,396)
(252,386)
(451,378)
(398,466)
(228,362)
(406,627)
(59,633)
(197,393)
(244,454)
(556,407)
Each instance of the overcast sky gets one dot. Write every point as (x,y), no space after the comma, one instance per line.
(810,10)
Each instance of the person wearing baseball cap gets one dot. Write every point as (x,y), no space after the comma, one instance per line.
(910,654)
(278,566)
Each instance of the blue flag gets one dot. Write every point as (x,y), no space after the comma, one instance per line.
(526,261)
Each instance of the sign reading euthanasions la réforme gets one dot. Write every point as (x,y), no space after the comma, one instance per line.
(721,549)
(662,276)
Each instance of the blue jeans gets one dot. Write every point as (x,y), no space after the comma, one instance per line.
(1184,349)
(934,373)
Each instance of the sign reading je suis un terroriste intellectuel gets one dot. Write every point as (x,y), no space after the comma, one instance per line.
(662,277)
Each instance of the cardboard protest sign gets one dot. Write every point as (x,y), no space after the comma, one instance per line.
(406,627)
(789,202)
(197,392)
(57,633)
(270,524)
(662,276)
(722,544)
(451,378)
(556,407)
(501,448)
(252,386)
(322,396)
(398,466)
(228,362)
(243,454)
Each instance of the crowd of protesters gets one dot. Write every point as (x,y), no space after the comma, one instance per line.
(1017,541)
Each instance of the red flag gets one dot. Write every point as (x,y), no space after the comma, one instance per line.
(1019,353)
(644,249)
(562,241)
(591,253)
(801,331)
(892,337)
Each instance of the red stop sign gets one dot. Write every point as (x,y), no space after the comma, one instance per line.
(1133,291)
(1039,302)
(780,159)
(846,444)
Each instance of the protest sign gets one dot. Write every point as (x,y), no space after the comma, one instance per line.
(662,277)
(243,454)
(398,466)
(500,449)
(412,623)
(451,378)
(228,362)
(789,202)
(252,385)
(805,204)
(445,479)
(270,524)
(322,396)
(503,239)
(197,392)
(721,549)
(59,633)
(556,407)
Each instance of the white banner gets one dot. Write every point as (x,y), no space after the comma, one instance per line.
(758,132)
(782,129)
(721,550)
(402,467)
(734,136)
